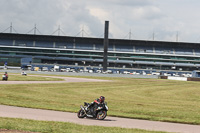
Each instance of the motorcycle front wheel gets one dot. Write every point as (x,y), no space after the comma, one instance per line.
(101,115)
(81,114)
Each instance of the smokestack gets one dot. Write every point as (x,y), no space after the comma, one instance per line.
(106,43)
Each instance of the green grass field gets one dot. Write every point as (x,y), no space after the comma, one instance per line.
(151,99)
(61,127)
(17,77)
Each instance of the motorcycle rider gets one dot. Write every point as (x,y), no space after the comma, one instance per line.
(100,100)
(5,76)
(97,103)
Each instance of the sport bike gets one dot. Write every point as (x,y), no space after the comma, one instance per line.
(93,111)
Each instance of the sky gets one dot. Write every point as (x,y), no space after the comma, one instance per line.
(159,20)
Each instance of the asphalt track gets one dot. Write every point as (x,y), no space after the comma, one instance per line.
(66,80)
(48,115)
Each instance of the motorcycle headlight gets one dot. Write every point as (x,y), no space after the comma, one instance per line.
(99,108)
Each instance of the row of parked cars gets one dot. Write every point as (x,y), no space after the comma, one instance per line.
(129,72)
(132,72)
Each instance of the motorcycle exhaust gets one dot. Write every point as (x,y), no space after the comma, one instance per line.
(89,115)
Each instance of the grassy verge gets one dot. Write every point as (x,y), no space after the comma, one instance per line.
(12,77)
(151,99)
(61,127)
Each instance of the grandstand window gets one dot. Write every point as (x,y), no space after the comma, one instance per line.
(6,42)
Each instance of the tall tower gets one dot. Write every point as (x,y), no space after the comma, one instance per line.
(106,43)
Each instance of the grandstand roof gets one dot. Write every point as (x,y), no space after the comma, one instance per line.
(98,40)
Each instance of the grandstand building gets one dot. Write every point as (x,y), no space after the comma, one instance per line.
(36,50)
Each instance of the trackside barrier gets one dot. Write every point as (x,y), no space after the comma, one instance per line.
(193,79)
(180,78)
(177,78)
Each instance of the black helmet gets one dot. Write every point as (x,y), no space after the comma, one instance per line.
(102,98)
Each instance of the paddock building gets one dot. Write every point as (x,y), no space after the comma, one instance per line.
(27,50)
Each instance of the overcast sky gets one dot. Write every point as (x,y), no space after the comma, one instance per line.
(166,20)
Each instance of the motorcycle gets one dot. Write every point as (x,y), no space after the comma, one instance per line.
(88,111)
(4,77)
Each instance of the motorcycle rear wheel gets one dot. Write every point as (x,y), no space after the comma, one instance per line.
(81,114)
(101,115)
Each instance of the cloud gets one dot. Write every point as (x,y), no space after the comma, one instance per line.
(71,16)
(113,3)
(142,17)
(47,15)
(125,15)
